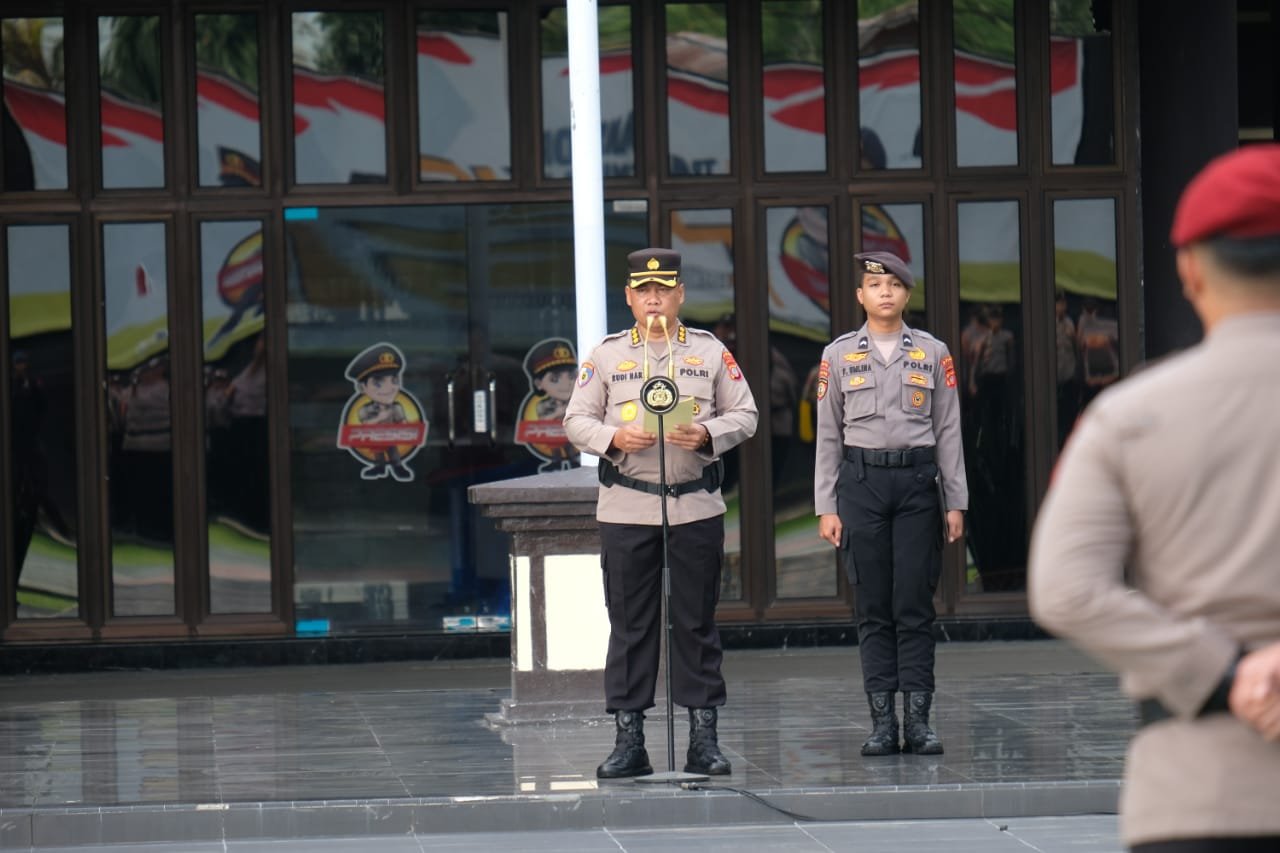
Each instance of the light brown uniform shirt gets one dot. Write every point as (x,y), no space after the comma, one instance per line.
(607,397)
(907,400)
(1156,550)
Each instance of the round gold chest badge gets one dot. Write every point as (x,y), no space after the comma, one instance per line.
(629,411)
(659,395)
(917,398)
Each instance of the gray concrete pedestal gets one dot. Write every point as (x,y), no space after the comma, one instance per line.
(559,625)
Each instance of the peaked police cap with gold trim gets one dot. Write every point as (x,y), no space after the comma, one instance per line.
(376,359)
(654,265)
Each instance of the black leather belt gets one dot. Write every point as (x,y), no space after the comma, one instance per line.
(712,477)
(890,458)
(1152,711)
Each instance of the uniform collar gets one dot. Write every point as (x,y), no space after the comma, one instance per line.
(680,338)
(863,337)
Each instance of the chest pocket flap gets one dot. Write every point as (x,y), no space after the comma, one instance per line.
(859,394)
(700,388)
(917,392)
(624,402)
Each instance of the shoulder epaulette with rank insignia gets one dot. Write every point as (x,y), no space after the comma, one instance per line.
(846,336)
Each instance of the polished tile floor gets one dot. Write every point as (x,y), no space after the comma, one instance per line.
(1008,713)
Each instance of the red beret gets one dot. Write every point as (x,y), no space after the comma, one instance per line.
(1236,195)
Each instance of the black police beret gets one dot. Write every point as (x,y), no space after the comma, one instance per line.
(883,262)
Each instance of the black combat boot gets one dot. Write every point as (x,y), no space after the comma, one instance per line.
(629,757)
(704,754)
(916,734)
(884,725)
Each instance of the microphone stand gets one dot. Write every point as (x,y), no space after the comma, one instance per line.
(659,409)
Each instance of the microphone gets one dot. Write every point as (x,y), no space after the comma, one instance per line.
(648,330)
(662,319)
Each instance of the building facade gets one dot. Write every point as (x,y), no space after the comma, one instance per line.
(280,280)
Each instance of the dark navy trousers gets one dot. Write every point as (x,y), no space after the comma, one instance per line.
(893,557)
(631,556)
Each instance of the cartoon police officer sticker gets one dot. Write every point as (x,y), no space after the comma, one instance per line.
(382,425)
(551,367)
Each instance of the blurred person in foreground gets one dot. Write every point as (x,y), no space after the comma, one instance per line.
(1156,548)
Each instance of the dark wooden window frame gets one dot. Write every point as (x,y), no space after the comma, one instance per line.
(746,190)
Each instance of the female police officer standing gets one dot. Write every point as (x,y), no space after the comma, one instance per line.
(888,428)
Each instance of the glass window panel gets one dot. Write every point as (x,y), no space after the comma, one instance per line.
(237,462)
(899,228)
(130,68)
(617,107)
(339,106)
(464,107)
(889,84)
(140,452)
(794,86)
(986,85)
(799,329)
(1081,93)
(704,239)
(34,139)
(458,296)
(42,422)
(697,53)
(1085,316)
(991,407)
(228,121)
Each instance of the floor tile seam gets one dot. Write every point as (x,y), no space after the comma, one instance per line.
(564,797)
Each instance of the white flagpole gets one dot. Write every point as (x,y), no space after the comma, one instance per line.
(590,286)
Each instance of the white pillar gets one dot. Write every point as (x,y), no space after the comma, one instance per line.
(590,285)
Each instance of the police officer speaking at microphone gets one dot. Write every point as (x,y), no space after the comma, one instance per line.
(607,418)
(888,456)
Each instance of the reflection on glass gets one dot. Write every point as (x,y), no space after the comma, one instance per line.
(986,86)
(140,461)
(34,105)
(383,303)
(237,464)
(799,328)
(991,405)
(793,88)
(131,99)
(698,89)
(704,239)
(617,108)
(464,110)
(899,228)
(889,85)
(1088,333)
(339,107)
(42,422)
(1080,83)
(227,103)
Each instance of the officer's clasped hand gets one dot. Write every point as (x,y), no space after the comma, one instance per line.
(632,439)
